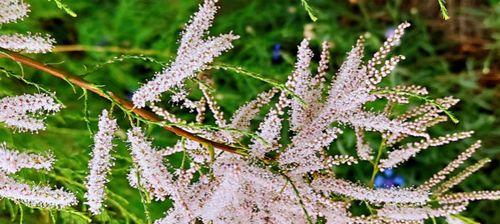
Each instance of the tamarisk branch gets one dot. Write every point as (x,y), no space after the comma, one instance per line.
(145,114)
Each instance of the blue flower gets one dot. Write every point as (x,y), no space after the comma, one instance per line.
(276,56)
(388,179)
(389,32)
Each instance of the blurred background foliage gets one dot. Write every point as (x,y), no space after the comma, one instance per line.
(456,57)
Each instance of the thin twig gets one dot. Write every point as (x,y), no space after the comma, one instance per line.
(111,49)
(297,193)
(376,162)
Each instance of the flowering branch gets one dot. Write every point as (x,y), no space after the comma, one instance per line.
(123,103)
(299,183)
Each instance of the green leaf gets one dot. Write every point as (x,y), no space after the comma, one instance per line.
(443,9)
(64,7)
(309,10)
(465,219)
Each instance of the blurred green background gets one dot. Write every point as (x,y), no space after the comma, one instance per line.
(456,57)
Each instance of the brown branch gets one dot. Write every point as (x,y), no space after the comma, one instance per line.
(112,49)
(113,97)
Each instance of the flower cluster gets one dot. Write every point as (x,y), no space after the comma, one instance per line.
(13,161)
(101,163)
(25,112)
(12,10)
(411,149)
(153,175)
(32,43)
(36,196)
(193,54)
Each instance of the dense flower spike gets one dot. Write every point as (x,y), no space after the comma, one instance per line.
(12,10)
(242,117)
(444,187)
(23,112)
(27,43)
(400,155)
(153,175)
(101,163)
(36,196)
(300,84)
(391,195)
(269,130)
(468,196)
(13,161)
(400,213)
(441,175)
(323,64)
(193,54)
